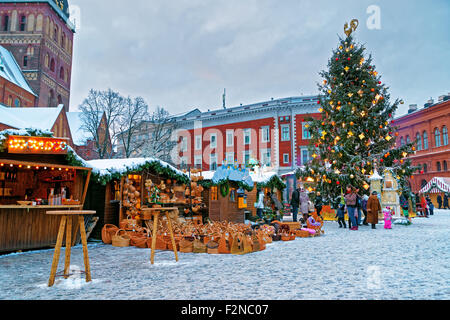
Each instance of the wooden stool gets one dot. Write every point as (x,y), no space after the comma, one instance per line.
(155,213)
(67,219)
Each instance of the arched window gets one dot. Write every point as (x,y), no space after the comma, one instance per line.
(46,61)
(438,166)
(59,99)
(61,73)
(6,23)
(63,40)
(17,103)
(419,141)
(23,23)
(402,142)
(425,140)
(10,101)
(445,136)
(408,140)
(30,50)
(425,168)
(52,65)
(25,61)
(437,138)
(445,165)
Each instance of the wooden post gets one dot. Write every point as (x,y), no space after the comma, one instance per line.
(169,222)
(154,235)
(86,186)
(55,262)
(68,247)
(85,249)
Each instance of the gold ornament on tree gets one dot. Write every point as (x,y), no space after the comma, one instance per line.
(348,30)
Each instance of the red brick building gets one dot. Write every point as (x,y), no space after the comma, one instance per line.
(14,88)
(429,127)
(40,36)
(271,132)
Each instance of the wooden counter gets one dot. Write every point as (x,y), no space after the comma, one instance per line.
(40,207)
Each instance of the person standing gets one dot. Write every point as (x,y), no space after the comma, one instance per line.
(373,209)
(404,204)
(446,201)
(341,211)
(424,205)
(295,203)
(304,204)
(350,201)
(430,205)
(364,200)
(318,204)
(439,201)
(276,203)
(260,203)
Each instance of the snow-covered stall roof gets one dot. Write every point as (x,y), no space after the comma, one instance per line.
(10,70)
(437,185)
(109,169)
(233,173)
(35,118)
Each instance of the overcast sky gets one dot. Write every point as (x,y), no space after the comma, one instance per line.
(181,54)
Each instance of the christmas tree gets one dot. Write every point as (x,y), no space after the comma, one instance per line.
(356,134)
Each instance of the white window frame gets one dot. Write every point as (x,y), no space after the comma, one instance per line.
(230,143)
(263,157)
(248,133)
(302,150)
(184,144)
(196,160)
(246,152)
(211,158)
(265,134)
(306,134)
(198,142)
(282,132)
(211,145)
(284,158)
(229,155)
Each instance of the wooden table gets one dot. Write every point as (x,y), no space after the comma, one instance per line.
(67,219)
(155,213)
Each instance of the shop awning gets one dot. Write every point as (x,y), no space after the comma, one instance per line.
(437,185)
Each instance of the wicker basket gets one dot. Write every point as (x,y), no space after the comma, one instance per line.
(302,234)
(108,231)
(199,247)
(121,240)
(212,247)
(186,245)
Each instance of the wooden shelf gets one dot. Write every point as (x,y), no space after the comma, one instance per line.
(56,181)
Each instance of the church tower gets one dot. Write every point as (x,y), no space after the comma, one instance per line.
(40,36)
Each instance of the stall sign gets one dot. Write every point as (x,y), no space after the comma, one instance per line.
(39,145)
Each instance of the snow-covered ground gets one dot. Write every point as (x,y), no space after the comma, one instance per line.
(407,262)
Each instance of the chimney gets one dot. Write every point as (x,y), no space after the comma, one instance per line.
(412,108)
(429,103)
(441,98)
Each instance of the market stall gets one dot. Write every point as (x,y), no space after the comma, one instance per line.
(267,181)
(126,186)
(227,193)
(436,186)
(36,175)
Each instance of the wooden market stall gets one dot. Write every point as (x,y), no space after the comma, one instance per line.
(123,187)
(35,176)
(267,182)
(227,190)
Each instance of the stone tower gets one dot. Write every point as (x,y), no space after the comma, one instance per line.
(40,36)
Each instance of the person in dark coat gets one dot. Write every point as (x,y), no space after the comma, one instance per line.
(439,201)
(430,205)
(295,203)
(340,212)
(446,201)
(373,209)
(318,204)
(404,204)
(364,200)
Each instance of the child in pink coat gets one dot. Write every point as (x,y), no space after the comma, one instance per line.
(387,213)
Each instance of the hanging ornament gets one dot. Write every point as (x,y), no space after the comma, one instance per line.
(362,136)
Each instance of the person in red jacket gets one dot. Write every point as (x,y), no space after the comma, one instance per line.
(423,204)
